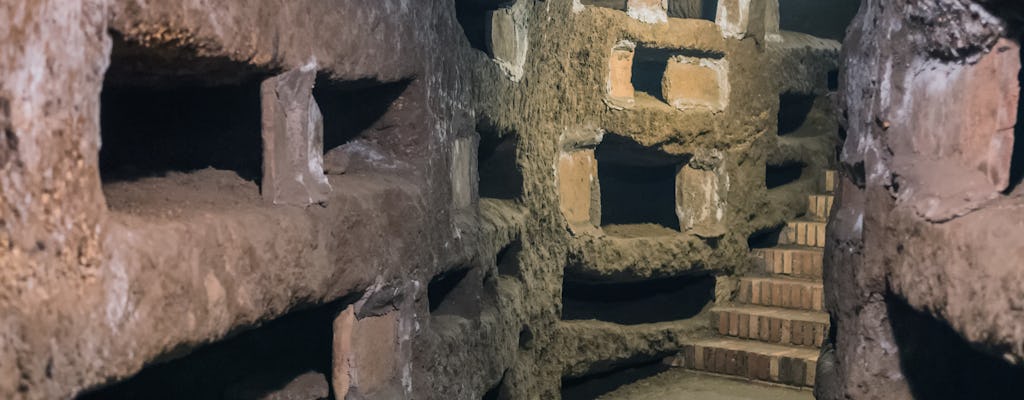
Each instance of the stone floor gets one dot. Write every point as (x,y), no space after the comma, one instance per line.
(681,384)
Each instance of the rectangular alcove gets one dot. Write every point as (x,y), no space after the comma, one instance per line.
(499,174)
(176,127)
(362,122)
(640,302)
(804,115)
(165,110)
(684,79)
(778,176)
(694,9)
(637,187)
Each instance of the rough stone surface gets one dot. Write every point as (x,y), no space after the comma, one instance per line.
(105,281)
(924,218)
(293,140)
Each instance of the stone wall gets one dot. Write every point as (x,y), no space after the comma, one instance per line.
(438,196)
(919,273)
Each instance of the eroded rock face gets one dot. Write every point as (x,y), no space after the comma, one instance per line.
(922,235)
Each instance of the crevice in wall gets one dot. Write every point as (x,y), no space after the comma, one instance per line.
(780,175)
(508,261)
(500,177)
(499,391)
(939,364)
(638,184)
(289,354)
(617,375)
(453,293)
(794,114)
(641,302)
(474,17)
(525,338)
(166,110)
(833,80)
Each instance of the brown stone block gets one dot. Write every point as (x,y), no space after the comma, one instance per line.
(734,324)
(744,328)
(695,83)
(620,75)
(576,171)
(764,329)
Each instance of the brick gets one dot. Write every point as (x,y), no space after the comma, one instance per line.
(620,76)
(691,82)
(744,328)
(734,324)
(576,171)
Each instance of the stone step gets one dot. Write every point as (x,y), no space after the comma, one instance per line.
(797,294)
(804,233)
(752,360)
(771,325)
(829,181)
(800,262)
(819,206)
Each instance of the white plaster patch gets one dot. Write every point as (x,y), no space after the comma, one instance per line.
(646,12)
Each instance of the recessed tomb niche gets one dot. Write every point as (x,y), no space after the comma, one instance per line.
(166,110)
(804,115)
(777,176)
(637,187)
(639,302)
(500,176)
(643,75)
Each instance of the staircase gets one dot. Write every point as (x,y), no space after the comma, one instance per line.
(775,326)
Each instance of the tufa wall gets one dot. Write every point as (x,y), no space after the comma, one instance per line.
(399,199)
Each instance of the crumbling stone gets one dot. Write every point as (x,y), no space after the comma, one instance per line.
(293,140)
(366,356)
(620,75)
(649,11)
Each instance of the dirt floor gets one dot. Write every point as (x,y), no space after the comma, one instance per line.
(678,384)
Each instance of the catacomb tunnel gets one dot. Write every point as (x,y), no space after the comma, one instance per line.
(511,199)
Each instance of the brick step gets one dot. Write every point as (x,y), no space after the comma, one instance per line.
(771,324)
(789,293)
(752,360)
(819,206)
(800,262)
(804,233)
(829,181)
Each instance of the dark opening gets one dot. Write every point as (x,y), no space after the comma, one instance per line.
(833,80)
(765,238)
(781,175)
(508,259)
(613,4)
(525,338)
(593,386)
(649,65)
(352,108)
(475,17)
(500,177)
(794,110)
(167,110)
(824,19)
(290,354)
(709,9)
(498,391)
(447,292)
(1017,159)
(692,9)
(634,303)
(638,184)
(939,364)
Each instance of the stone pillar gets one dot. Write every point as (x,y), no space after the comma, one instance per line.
(462,172)
(509,39)
(293,140)
(701,191)
(365,356)
(696,83)
(577,187)
(649,11)
(621,93)
(744,18)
